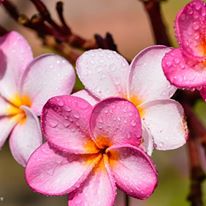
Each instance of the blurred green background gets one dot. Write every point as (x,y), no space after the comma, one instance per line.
(128,23)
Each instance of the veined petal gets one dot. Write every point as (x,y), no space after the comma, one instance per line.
(147,80)
(103,72)
(115,120)
(190,29)
(25,137)
(52,173)
(182,71)
(6,126)
(65,124)
(47,76)
(15,55)
(166,122)
(133,171)
(101,181)
(84,94)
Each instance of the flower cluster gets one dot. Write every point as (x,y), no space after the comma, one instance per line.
(101,137)
(185,66)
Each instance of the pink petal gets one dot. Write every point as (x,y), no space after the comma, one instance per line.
(190,29)
(51,173)
(113,121)
(203,93)
(133,170)
(84,94)
(15,55)
(47,76)
(183,72)
(25,138)
(99,189)
(166,122)
(147,80)
(65,123)
(6,126)
(103,72)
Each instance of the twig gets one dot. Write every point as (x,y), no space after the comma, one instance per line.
(64,40)
(127,200)
(197,175)
(153,10)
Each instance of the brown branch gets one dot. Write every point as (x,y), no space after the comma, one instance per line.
(197,175)
(153,10)
(64,40)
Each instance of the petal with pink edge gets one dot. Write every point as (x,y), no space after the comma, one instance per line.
(183,72)
(203,93)
(166,121)
(47,76)
(52,173)
(101,181)
(147,80)
(84,94)
(25,137)
(6,126)
(103,73)
(190,29)
(133,171)
(115,121)
(65,124)
(15,55)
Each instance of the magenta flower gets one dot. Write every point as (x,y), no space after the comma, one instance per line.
(185,66)
(90,151)
(25,86)
(107,74)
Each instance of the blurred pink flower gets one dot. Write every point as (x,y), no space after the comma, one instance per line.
(25,86)
(185,66)
(90,151)
(107,74)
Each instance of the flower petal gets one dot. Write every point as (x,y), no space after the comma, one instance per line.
(52,173)
(183,72)
(133,170)
(103,72)
(65,124)
(84,94)
(165,120)
(190,28)
(6,126)
(115,120)
(15,55)
(47,76)
(203,93)
(100,181)
(26,137)
(147,80)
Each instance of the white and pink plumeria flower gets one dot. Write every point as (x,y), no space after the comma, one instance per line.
(90,151)
(25,86)
(185,67)
(105,73)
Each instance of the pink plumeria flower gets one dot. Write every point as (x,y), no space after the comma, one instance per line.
(25,86)
(90,151)
(185,66)
(107,74)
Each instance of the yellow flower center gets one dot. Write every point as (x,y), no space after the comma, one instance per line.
(14,109)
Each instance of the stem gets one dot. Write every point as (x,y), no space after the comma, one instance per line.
(127,200)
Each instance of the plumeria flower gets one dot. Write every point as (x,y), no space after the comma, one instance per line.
(185,66)
(90,151)
(25,86)
(105,73)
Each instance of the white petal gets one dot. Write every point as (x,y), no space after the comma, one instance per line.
(26,137)
(165,120)
(147,81)
(47,76)
(103,72)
